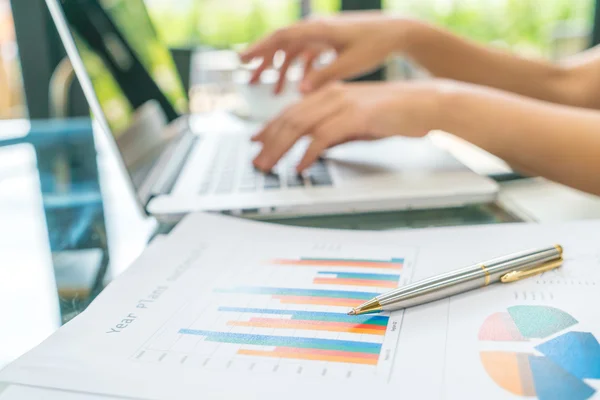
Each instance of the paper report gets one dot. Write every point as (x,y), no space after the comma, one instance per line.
(224,308)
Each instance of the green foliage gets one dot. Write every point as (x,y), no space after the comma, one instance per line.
(326,7)
(521,24)
(222,23)
(524,25)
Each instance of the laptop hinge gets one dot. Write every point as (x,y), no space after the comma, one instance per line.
(170,169)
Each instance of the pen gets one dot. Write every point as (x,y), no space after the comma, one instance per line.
(510,268)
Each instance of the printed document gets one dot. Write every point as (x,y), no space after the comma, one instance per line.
(224,308)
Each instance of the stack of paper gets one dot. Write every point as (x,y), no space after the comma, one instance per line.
(224,309)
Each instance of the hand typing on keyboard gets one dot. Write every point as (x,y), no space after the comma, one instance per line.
(340,113)
(232,171)
(318,175)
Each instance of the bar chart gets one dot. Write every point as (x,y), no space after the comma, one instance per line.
(389,281)
(393,263)
(317,321)
(342,298)
(298,347)
(290,314)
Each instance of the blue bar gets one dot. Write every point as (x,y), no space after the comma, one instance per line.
(336,294)
(314,315)
(358,275)
(286,341)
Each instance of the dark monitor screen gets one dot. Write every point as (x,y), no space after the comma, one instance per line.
(129,68)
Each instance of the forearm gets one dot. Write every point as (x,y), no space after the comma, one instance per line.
(446,55)
(557,142)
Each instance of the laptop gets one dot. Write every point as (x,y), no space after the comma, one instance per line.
(179,163)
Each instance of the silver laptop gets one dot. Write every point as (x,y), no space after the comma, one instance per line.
(180,163)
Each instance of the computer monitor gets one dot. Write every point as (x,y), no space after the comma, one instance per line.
(122,64)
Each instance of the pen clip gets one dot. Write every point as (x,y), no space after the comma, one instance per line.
(518,275)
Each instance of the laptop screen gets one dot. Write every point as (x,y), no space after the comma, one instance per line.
(132,74)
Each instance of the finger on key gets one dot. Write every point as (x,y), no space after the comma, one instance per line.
(298,121)
(273,126)
(260,134)
(270,130)
(314,150)
(272,152)
(327,134)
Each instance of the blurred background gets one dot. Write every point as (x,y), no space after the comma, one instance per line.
(528,26)
(547,28)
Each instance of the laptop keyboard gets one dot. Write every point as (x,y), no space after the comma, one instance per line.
(227,174)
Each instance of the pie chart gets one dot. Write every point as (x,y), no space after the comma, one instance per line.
(560,360)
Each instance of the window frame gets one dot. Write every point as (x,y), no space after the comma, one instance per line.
(596,25)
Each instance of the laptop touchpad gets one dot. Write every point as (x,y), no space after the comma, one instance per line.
(390,156)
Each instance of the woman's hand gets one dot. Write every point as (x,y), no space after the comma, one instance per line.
(362,41)
(342,112)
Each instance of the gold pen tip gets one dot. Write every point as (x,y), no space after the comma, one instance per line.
(369,307)
(559,248)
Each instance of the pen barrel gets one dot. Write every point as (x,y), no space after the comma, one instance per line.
(412,296)
(465,279)
(499,267)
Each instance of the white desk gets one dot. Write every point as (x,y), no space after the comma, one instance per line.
(544,201)
(534,199)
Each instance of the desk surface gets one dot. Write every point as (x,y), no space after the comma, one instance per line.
(45,279)
(535,200)
(55,235)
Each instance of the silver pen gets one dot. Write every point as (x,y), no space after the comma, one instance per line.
(505,269)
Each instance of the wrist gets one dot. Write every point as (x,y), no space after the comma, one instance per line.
(408,34)
(415,108)
(470,112)
(451,100)
(437,104)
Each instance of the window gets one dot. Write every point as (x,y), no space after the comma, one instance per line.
(227,23)
(552,28)
(11,87)
(531,27)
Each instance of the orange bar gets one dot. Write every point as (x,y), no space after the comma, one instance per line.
(336,353)
(323,323)
(311,325)
(307,356)
(355,282)
(324,301)
(340,263)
